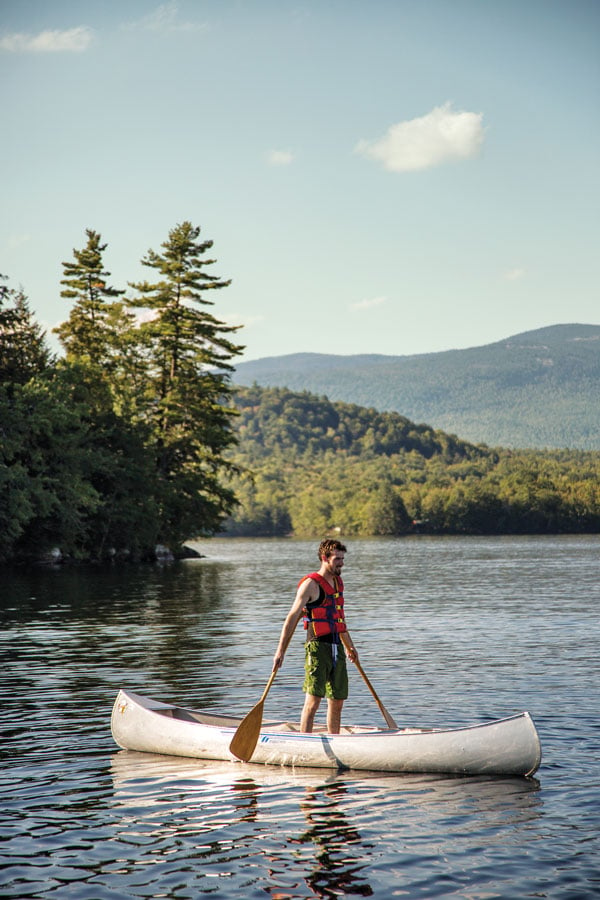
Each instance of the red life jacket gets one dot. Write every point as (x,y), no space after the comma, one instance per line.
(326,613)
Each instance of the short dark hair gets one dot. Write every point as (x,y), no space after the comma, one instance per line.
(330,546)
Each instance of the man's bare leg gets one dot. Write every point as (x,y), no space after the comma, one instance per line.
(311,705)
(334,716)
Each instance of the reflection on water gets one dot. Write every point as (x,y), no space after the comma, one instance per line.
(451,631)
(318,834)
(339,852)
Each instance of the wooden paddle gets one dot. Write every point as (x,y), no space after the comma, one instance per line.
(388,719)
(246,736)
(245,739)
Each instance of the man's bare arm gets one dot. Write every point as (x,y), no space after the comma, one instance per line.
(307,591)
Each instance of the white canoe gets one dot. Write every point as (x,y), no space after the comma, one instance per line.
(504,747)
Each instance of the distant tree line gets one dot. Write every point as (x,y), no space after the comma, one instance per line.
(309,466)
(137,437)
(119,445)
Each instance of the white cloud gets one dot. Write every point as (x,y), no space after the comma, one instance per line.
(72,40)
(17,240)
(428,141)
(280,157)
(514,274)
(165,19)
(368,303)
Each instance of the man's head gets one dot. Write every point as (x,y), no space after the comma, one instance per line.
(328,548)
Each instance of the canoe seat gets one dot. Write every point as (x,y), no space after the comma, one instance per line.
(359,729)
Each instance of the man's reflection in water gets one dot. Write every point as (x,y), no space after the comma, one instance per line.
(248,805)
(337,870)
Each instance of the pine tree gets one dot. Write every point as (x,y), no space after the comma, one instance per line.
(24,353)
(97,319)
(188,352)
(101,374)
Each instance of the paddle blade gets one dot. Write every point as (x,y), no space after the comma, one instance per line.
(245,739)
(389,721)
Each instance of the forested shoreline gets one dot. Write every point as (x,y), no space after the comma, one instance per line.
(137,437)
(319,465)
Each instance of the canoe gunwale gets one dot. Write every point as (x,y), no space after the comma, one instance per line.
(219,720)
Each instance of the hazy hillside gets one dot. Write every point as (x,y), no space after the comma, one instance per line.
(536,389)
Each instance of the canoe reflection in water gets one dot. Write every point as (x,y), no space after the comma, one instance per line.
(298,833)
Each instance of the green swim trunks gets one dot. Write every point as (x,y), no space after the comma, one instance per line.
(322,678)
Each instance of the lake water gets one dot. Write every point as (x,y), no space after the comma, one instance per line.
(451,631)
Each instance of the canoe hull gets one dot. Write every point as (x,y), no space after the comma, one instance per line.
(505,747)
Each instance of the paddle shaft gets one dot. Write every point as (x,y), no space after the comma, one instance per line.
(268,687)
(388,719)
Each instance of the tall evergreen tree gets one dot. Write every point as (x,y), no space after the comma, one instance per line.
(24,353)
(189,353)
(97,319)
(101,374)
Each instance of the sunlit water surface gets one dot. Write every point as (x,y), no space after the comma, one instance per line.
(450,632)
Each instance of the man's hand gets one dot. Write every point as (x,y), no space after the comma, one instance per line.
(352,654)
(351,651)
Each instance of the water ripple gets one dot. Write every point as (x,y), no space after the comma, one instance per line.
(450,632)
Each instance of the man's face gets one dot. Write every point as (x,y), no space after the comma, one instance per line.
(335,562)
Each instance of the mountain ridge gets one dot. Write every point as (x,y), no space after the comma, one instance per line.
(539,388)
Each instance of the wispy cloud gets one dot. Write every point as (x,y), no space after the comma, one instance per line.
(438,137)
(514,274)
(165,20)
(280,157)
(17,240)
(71,40)
(368,303)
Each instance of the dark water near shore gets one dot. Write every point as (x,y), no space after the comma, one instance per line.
(450,631)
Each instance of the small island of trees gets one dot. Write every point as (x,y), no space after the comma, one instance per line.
(118,446)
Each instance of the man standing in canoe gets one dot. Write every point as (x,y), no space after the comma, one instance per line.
(320,599)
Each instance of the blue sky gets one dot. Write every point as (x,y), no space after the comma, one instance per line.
(378,176)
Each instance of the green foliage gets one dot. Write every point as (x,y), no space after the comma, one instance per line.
(96,319)
(46,496)
(361,472)
(120,445)
(184,394)
(137,436)
(23,349)
(119,467)
(275,420)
